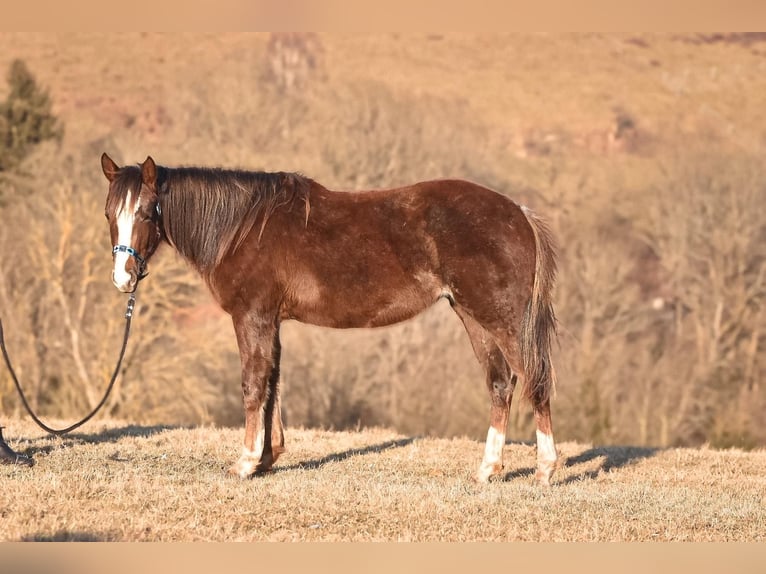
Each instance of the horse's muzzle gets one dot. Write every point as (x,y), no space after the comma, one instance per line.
(128,286)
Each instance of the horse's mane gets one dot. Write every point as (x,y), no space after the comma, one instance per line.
(208,212)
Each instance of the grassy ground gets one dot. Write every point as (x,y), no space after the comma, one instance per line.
(120,482)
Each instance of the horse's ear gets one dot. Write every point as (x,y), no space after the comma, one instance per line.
(110,168)
(149,172)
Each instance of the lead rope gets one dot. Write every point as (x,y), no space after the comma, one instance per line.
(41,424)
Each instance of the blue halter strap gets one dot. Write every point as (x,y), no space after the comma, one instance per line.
(132,252)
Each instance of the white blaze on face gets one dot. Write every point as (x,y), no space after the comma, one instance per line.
(125,220)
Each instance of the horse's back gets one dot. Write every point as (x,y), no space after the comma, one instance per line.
(377,257)
(451,208)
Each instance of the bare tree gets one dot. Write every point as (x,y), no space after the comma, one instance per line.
(710,236)
(64,319)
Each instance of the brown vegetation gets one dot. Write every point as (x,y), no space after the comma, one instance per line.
(645,153)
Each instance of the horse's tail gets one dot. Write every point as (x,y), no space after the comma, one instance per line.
(538,328)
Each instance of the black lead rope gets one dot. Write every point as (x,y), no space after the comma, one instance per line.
(41,424)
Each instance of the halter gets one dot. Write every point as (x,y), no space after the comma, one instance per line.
(133,253)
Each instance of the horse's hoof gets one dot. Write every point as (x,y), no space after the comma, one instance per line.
(486,472)
(234,472)
(543,478)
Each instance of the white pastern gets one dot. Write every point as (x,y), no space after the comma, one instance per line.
(249,459)
(493,455)
(546,457)
(125,220)
(546,448)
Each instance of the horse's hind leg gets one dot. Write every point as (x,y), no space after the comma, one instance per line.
(547,456)
(501,382)
(499,354)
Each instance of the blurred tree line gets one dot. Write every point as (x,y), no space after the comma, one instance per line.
(660,293)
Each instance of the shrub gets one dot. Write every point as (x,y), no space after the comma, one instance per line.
(25,117)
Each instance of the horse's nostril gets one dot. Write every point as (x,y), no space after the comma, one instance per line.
(125,283)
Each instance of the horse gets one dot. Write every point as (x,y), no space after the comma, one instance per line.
(279,246)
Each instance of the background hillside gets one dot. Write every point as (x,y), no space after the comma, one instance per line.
(645,152)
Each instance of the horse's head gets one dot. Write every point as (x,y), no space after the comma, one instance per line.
(134,215)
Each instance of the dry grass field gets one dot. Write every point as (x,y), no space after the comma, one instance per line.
(121,482)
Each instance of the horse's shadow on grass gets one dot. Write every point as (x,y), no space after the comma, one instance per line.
(116,434)
(341,456)
(105,436)
(64,536)
(613,457)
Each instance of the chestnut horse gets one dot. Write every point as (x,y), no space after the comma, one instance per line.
(277,246)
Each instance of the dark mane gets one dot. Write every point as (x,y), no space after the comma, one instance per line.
(207,213)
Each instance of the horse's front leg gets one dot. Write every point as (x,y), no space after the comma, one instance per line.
(258,339)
